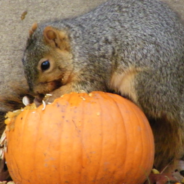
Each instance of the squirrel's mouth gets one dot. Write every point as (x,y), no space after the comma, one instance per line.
(43,88)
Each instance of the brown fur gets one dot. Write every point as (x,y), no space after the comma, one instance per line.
(124,82)
(33,28)
(56,38)
(166,134)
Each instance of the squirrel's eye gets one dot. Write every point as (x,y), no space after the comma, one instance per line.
(45,65)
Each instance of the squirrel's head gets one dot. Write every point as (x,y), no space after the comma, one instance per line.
(47,59)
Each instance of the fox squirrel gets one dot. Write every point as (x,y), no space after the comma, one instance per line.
(131,47)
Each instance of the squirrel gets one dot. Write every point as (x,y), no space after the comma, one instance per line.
(134,48)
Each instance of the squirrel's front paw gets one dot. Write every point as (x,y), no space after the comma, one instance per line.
(49,98)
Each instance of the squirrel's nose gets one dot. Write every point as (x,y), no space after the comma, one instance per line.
(182,172)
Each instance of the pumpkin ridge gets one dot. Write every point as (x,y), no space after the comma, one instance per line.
(23,130)
(72,146)
(137,112)
(81,142)
(36,143)
(22,140)
(81,149)
(143,151)
(19,141)
(81,135)
(115,149)
(55,105)
(91,107)
(118,108)
(51,109)
(102,139)
(151,139)
(127,107)
(123,124)
(67,98)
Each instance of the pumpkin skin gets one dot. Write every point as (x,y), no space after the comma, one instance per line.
(96,138)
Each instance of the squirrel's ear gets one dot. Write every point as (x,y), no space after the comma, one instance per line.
(33,28)
(56,38)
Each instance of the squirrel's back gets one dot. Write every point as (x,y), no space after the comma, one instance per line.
(136,28)
(132,33)
(119,35)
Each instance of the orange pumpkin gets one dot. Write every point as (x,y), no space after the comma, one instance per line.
(96,138)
